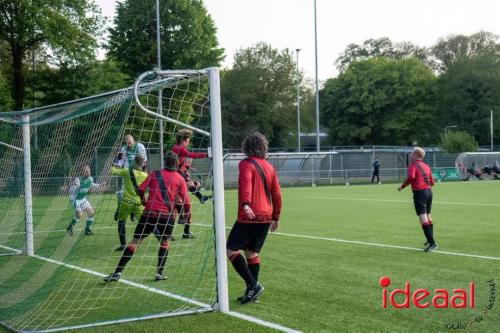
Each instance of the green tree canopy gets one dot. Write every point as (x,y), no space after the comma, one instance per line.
(67,82)
(380,101)
(259,93)
(380,47)
(458,142)
(188,36)
(468,91)
(450,49)
(65,29)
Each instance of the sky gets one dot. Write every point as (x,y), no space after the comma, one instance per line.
(290,24)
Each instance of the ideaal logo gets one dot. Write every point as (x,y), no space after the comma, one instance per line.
(459,298)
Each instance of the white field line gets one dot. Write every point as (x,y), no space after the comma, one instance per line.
(385,200)
(124,281)
(262,322)
(205,307)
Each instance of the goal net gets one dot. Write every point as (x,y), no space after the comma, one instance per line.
(51,275)
(478,165)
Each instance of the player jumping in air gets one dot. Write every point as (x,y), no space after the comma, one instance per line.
(77,197)
(131,202)
(259,207)
(183,138)
(166,189)
(421,181)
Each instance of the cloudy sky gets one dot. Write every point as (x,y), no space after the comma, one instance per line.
(290,24)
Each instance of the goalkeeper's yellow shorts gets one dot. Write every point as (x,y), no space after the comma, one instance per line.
(128,208)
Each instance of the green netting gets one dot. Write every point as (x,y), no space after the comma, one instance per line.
(61,284)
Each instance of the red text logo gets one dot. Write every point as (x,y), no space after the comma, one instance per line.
(422,298)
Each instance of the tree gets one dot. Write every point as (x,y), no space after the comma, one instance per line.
(468,91)
(450,49)
(66,29)
(5,100)
(69,82)
(258,93)
(188,36)
(380,101)
(458,142)
(381,47)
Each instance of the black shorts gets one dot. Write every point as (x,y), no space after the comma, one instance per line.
(423,201)
(147,225)
(247,236)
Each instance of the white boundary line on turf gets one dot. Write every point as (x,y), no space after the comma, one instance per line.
(374,244)
(397,200)
(388,246)
(262,322)
(124,281)
(206,307)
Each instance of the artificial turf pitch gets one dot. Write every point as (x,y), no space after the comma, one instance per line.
(321,269)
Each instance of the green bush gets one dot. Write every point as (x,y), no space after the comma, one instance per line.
(458,142)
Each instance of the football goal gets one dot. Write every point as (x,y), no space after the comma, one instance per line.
(55,250)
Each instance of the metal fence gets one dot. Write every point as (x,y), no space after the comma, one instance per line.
(345,165)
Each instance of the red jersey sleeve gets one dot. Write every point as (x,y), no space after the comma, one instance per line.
(276,195)
(431,179)
(411,176)
(187,153)
(245,183)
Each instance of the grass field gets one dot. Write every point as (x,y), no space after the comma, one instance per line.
(321,269)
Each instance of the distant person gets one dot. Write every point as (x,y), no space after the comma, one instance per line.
(421,181)
(376,170)
(166,189)
(78,198)
(259,207)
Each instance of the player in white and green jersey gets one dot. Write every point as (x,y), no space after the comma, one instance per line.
(77,196)
(125,160)
(131,202)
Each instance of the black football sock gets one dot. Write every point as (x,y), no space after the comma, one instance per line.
(254,267)
(122,232)
(187,226)
(128,253)
(162,259)
(432,230)
(427,232)
(240,265)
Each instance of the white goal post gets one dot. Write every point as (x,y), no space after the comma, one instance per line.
(51,279)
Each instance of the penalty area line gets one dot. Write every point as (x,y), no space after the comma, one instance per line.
(262,322)
(388,246)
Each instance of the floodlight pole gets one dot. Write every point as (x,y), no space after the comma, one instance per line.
(491,129)
(298,101)
(28,199)
(317,84)
(160,92)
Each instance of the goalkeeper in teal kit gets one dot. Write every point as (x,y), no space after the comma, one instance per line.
(78,199)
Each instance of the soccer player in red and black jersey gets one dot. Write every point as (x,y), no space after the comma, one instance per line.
(167,188)
(182,138)
(259,207)
(421,181)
